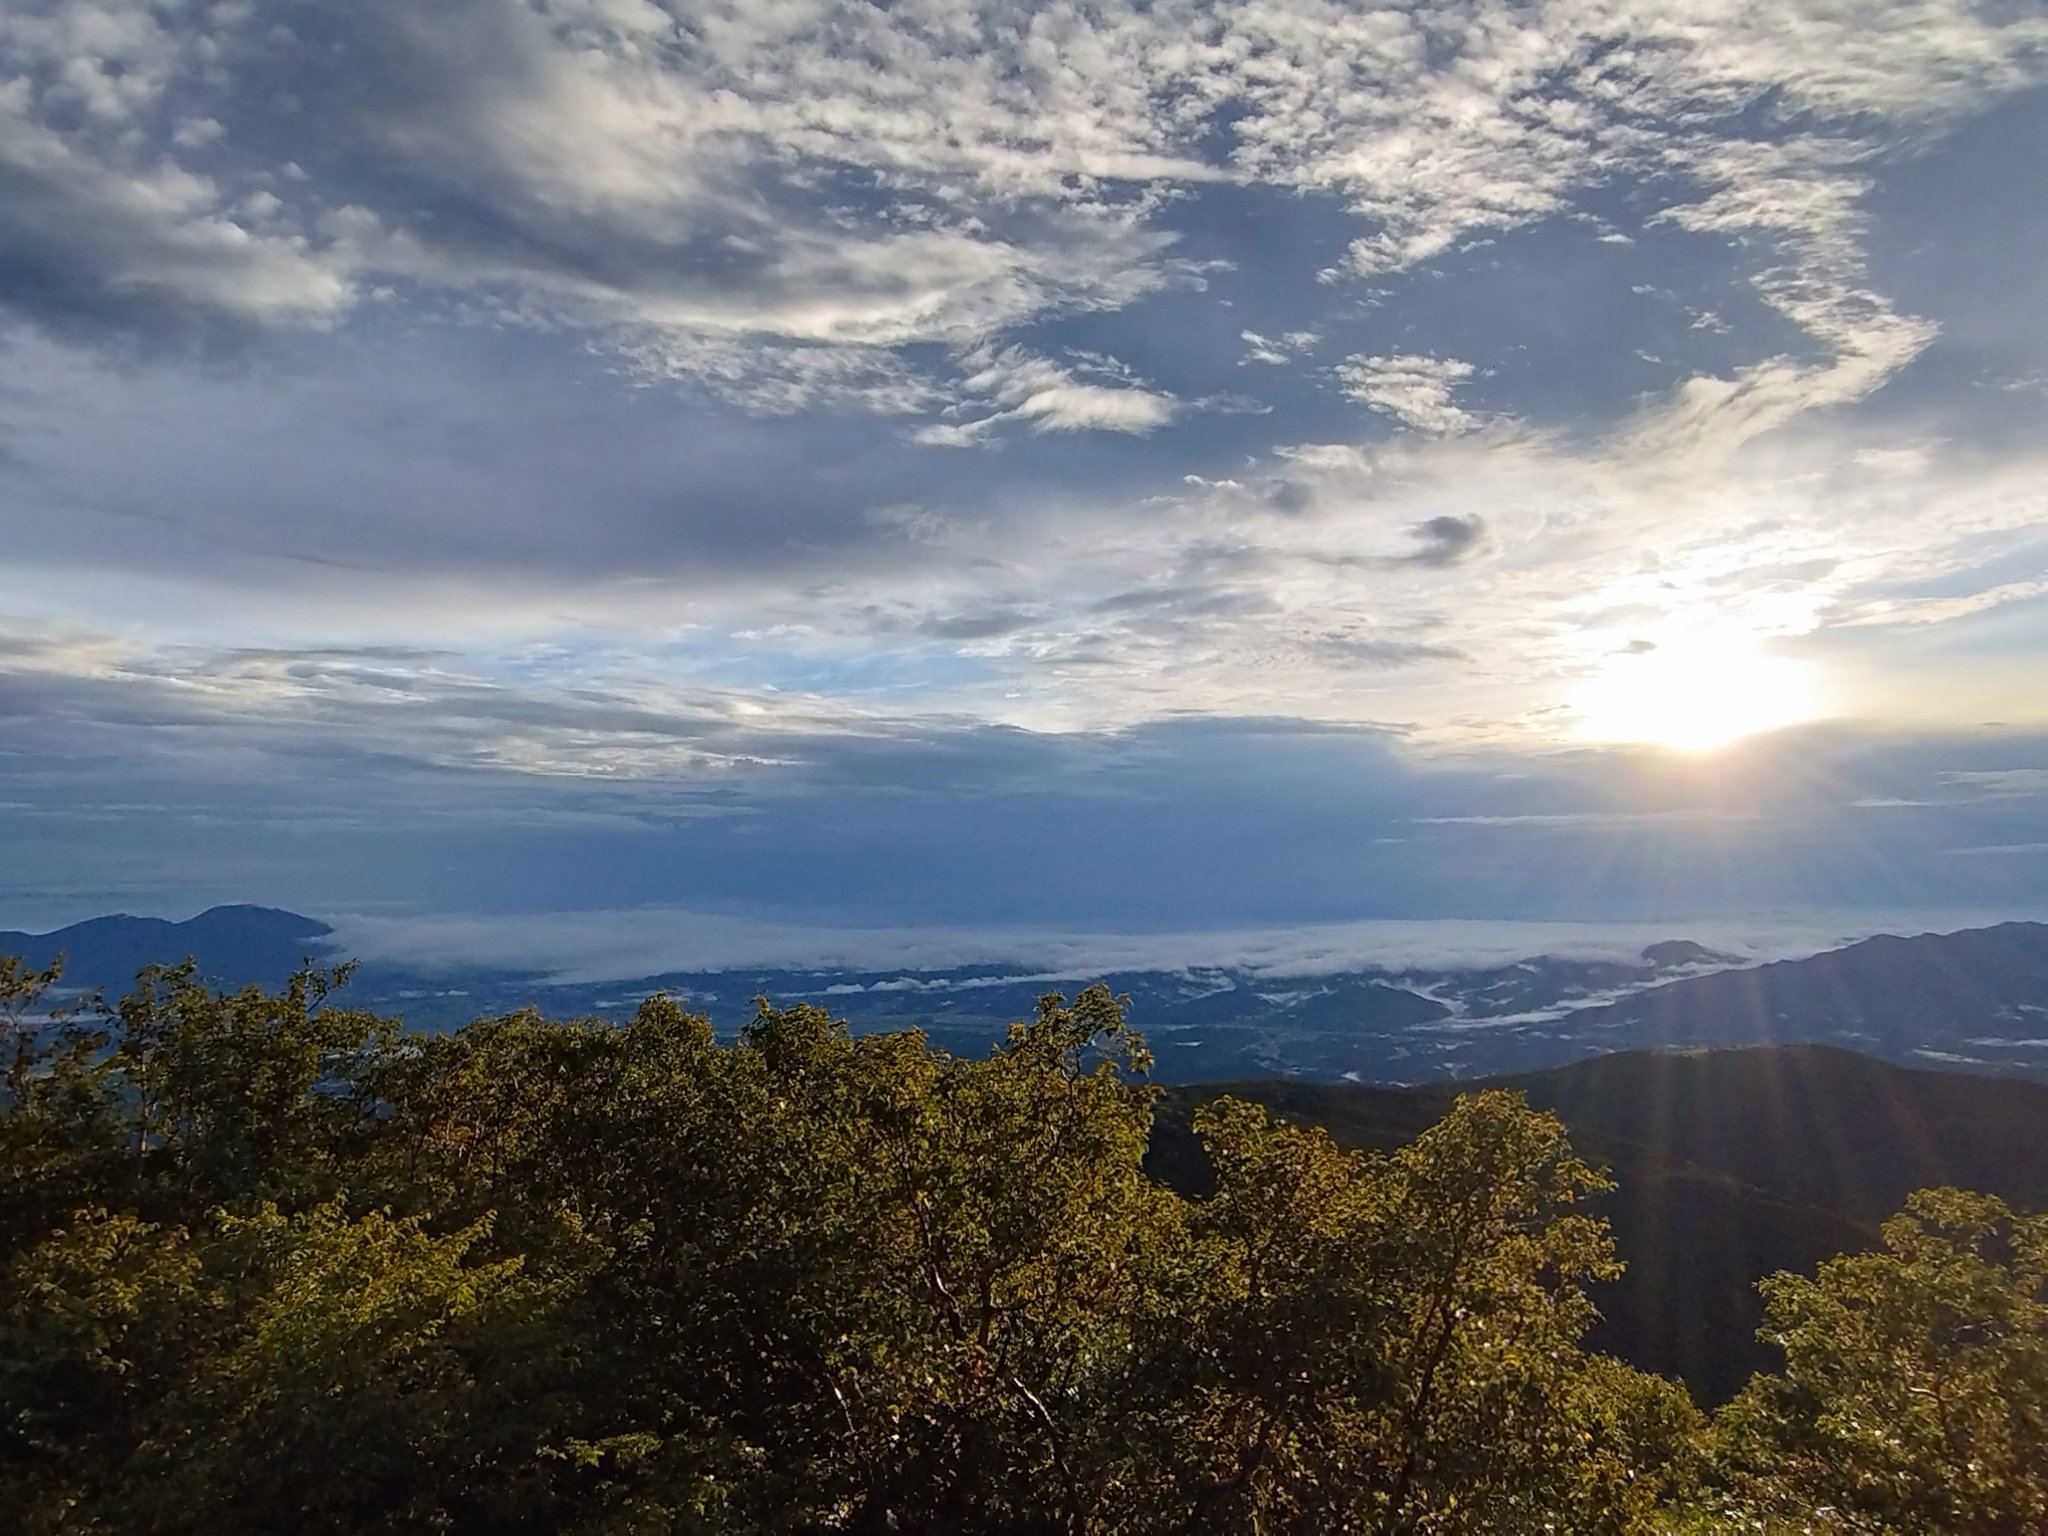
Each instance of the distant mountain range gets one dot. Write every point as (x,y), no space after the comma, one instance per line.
(1977,999)
(233,945)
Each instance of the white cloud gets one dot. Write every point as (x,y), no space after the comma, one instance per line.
(624,946)
(1277,351)
(1260,349)
(837,176)
(1289,585)
(893,211)
(783,380)
(1078,407)
(1415,390)
(1048,397)
(1592,820)
(151,238)
(2003,783)
(430,710)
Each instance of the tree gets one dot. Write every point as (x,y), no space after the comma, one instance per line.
(1914,1397)
(275,1263)
(1392,1343)
(266,1371)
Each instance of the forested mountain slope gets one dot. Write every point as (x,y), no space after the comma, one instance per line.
(234,946)
(1730,1165)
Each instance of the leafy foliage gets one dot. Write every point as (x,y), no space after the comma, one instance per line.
(1915,1393)
(274,1263)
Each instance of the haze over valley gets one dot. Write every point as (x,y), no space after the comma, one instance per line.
(1975,999)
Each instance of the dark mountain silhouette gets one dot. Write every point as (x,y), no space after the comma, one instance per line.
(1978,998)
(1730,1165)
(233,946)
(1811,1124)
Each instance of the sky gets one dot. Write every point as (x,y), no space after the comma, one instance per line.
(1160,468)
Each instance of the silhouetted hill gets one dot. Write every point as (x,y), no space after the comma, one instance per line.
(1978,998)
(233,945)
(1811,1124)
(1731,1165)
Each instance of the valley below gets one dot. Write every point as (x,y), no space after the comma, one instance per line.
(1975,1000)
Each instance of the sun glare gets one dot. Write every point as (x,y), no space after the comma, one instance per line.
(1693,696)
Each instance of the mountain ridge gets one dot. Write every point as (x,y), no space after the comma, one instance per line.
(1729,1165)
(234,944)
(1975,997)
(1971,998)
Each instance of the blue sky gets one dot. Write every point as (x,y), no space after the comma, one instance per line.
(1101,468)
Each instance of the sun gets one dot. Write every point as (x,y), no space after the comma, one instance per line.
(1693,695)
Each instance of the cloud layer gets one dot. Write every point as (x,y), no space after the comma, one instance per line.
(675,420)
